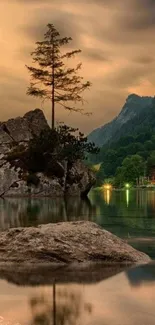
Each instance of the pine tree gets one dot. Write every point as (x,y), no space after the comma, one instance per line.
(51,79)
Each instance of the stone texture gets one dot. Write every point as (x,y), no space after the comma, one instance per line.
(36,121)
(13,185)
(8,176)
(79,180)
(47,187)
(5,141)
(18,129)
(66,243)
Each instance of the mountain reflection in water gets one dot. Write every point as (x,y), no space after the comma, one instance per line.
(124,299)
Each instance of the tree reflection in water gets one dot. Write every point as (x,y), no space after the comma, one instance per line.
(31,212)
(66,309)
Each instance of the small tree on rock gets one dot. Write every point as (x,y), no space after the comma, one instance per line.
(51,79)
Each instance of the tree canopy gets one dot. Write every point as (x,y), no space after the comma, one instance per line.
(51,79)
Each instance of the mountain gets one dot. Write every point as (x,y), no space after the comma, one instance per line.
(137,111)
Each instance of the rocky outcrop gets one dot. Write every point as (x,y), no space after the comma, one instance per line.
(79,180)
(65,243)
(12,183)
(76,180)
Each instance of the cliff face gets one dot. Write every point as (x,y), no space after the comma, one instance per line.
(132,110)
(76,181)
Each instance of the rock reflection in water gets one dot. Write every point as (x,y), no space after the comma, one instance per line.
(31,212)
(115,301)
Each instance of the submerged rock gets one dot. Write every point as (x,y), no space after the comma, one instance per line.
(65,243)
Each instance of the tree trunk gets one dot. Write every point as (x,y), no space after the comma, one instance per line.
(54,303)
(65,175)
(53,103)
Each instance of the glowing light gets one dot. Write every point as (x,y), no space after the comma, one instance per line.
(127,185)
(107,187)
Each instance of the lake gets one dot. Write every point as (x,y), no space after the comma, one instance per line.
(129,214)
(103,297)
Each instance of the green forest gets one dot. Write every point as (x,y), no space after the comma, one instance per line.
(130,157)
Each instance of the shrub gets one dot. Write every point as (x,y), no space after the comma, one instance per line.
(33,179)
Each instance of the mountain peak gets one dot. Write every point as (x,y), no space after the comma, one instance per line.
(134,107)
(132,96)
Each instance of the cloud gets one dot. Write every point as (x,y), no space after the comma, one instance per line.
(144,59)
(117,43)
(127,76)
(67,24)
(96,54)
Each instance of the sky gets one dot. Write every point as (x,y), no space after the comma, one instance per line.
(118,53)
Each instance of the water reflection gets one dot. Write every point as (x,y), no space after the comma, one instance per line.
(107,195)
(31,212)
(127,197)
(128,213)
(115,301)
(142,274)
(66,309)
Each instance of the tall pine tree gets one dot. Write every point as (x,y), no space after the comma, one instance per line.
(51,79)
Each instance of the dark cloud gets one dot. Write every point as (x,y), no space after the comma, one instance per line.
(67,24)
(144,60)
(137,20)
(96,54)
(144,4)
(130,75)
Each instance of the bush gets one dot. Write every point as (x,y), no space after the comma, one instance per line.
(57,145)
(33,179)
(47,151)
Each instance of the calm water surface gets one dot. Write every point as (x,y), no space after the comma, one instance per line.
(129,214)
(123,299)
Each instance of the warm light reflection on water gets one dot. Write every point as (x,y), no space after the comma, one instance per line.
(107,194)
(125,299)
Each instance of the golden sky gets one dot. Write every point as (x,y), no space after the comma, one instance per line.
(118,52)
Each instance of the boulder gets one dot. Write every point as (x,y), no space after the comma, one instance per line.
(22,129)
(36,121)
(65,243)
(18,129)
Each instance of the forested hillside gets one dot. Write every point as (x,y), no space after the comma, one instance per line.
(139,140)
(136,112)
